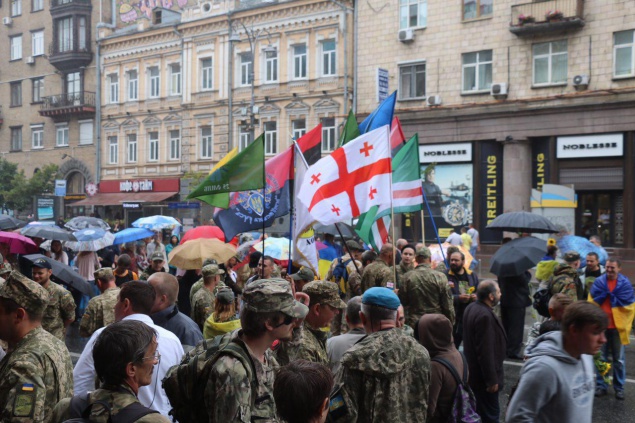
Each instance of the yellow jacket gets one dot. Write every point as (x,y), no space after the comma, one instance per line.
(211,328)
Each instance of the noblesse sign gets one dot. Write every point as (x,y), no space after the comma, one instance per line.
(605,145)
(456,152)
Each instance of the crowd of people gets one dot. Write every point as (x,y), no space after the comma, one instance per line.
(383,336)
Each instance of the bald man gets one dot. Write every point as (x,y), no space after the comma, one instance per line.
(379,273)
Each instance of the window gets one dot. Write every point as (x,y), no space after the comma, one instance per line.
(299,128)
(85,132)
(133,85)
(175,144)
(16,7)
(477,71)
(37,43)
(65,34)
(413,13)
(16,94)
(16,47)
(38,90)
(155,82)
(271,138)
(37,5)
(623,46)
(113,88)
(244,137)
(271,66)
(175,79)
(153,146)
(246,68)
(61,138)
(328,135)
(16,138)
(412,81)
(550,63)
(299,61)
(328,58)
(207,74)
(113,149)
(207,142)
(473,9)
(82,33)
(37,136)
(73,88)
(132,148)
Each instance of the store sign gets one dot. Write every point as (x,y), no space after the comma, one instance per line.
(491,178)
(136,186)
(605,145)
(184,205)
(60,187)
(439,153)
(131,205)
(540,163)
(382,84)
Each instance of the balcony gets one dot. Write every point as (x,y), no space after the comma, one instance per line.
(59,7)
(543,17)
(70,54)
(65,105)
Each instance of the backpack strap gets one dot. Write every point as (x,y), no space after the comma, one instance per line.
(80,407)
(452,370)
(237,348)
(132,413)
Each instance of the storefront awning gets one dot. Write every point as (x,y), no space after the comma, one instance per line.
(116,199)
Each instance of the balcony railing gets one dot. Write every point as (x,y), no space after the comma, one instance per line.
(75,103)
(70,54)
(59,3)
(546,16)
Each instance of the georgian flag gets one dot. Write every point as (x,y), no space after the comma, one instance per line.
(351,180)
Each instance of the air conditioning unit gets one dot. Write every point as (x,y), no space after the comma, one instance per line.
(7,21)
(433,100)
(30,60)
(406,35)
(206,7)
(499,90)
(581,81)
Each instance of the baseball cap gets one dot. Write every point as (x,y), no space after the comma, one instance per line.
(571,256)
(324,292)
(42,263)
(157,256)
(304,274)
(26,293)
(225,295)
(382,297)
(268,295)
(5,268)
(211,270)
(353,245)
(423,252)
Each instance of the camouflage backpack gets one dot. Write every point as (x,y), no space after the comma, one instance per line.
(184,384)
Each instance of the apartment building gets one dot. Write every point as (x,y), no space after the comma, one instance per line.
(507,96)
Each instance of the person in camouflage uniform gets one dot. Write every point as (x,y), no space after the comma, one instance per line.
(384,377)
(425,291)
(60,311)
(100,311)
(268,314)
(5,269)
(116,348)
(379,272)
(203,300)
(565,277)
(199,283)
(407,263)
(441,267)
(38,372)
(156,265)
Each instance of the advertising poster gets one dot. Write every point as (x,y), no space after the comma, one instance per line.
(45,207)
(491,187)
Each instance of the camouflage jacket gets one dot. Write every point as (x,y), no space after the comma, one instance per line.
(401,270)
(34,377)
(100,312)
(312,346)
(147,273)
(281,348)
(425,291)
(194,289)
(565,279)
(384,377)
(202,306)
(377,273)
(61,307)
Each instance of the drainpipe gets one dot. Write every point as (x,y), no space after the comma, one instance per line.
(345,9)
(355,17)
(230,83)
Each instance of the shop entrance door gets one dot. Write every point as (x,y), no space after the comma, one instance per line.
(601,214)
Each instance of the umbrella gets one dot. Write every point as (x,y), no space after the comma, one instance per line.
(243,249)
(8,222)
(83,222)
(517,256)
(319,245)
(203,232)
(132,234)
(156,223)
(583,247)
(192,254)
(47,232)
(347,230)
(64,274)
(18,244)
(522,221)
(276,248)
(437,257)
(91,240)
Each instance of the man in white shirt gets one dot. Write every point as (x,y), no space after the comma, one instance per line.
(454,238)
(134,302)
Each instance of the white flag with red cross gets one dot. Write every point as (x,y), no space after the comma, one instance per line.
(351,180)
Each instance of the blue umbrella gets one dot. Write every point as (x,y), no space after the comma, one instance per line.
(583,247)
(132,234)
(156,223)
(91,239)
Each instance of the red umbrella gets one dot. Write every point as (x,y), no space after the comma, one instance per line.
(203,232)
(18,244)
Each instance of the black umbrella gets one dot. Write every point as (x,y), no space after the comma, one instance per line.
(347,230)
(83,222)
(517,256)
(48,232)
(63,274)
(8,222)
(523,221)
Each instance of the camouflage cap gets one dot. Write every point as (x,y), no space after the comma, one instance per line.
(268,295)
(353,245)
(423,252)
(104,273)
(571,256)
(209,261)
(5,268)
(225,295)
(304,274)
(157,256)
(324,292)
(26,293)
(211,270)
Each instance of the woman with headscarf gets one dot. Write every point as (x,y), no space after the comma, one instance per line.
(434,331)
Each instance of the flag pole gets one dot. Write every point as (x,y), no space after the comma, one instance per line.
(423,228)
(292,212)
(392,222)
(264,209)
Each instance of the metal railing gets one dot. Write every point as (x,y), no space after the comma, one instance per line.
(69,46)
(56,3)
(538,10)
(58,101)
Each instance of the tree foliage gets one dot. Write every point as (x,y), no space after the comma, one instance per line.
(17,191)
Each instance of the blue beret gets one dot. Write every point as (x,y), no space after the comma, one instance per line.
(382,297)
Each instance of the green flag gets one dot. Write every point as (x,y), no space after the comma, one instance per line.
(351,129)
(242,173)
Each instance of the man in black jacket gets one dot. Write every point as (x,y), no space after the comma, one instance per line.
(463,283)
(514,300)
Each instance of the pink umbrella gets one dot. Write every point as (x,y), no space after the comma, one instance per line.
(319,245)
(18,244)
(203,232)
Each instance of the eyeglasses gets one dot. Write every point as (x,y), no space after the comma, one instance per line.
(287,321)
(156,356)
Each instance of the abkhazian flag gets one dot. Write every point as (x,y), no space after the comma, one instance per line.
(351,180)
(373,226)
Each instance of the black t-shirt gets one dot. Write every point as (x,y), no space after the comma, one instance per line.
(592,273)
